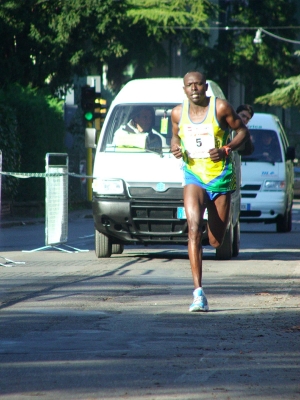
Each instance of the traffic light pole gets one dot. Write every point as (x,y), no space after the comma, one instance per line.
(91,106)
(89,170)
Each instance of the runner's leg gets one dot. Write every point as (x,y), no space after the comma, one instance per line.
(218,215)
(194,203)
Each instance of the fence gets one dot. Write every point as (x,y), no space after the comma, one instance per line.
(56,200)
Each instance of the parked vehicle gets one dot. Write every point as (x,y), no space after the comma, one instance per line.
(297,181)
(137,192)
(268,175)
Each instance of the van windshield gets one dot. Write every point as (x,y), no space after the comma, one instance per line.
(139,128)
(266,146)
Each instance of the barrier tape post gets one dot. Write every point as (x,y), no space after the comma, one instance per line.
(56,202)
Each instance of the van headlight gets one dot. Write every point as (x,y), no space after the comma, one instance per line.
(108,186)
(274,185)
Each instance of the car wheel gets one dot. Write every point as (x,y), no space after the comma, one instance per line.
(284,224)
(103,246)
(224,252)
(236,240)
(117,249)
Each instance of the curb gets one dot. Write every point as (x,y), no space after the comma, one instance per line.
(19,221)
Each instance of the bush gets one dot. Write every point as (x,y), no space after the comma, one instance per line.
(39,130)
(10,146)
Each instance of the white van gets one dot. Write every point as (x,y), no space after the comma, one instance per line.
(137,192)
(268,175)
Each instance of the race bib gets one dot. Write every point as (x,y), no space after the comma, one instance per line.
(199,139)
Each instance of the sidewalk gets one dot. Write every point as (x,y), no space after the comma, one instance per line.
(8,221)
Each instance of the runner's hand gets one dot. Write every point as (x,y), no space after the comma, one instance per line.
(217,154)
(176,151)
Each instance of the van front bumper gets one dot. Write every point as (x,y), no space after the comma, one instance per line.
(265,207)
(144,221)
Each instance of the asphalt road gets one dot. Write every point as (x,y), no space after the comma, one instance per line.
(75,327)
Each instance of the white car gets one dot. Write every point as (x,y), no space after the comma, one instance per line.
(268,175)
(297,181)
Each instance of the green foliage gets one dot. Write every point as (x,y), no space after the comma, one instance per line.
(10,146)
(37,120)
(46,43)
(288,95)
(166,15)
(235,56)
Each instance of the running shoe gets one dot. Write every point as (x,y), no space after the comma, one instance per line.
(200,301)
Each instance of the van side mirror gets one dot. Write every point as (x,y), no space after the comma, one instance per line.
(290,153)
(90,138)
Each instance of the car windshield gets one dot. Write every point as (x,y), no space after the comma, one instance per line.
(139,128)
(266,146)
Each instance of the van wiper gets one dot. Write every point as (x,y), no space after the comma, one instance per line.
(159,153)
(253,159)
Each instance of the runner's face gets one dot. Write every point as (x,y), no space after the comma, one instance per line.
(195,86)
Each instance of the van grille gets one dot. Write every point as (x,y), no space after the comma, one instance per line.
(149,192)
(251,187)
(158,220)
(250,214)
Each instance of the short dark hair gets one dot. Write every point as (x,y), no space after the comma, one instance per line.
(195,72)
(137,110)
(245,107)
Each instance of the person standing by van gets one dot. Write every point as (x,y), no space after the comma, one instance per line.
(201,137)
(246,112)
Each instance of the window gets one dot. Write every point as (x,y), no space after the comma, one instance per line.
(266,146)
(123,134)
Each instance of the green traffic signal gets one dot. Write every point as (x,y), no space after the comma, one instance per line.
(91,103)
(89,116)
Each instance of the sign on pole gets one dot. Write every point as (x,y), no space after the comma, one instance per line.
(56,222)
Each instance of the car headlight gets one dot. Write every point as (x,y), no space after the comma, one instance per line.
(108,186)
(274,185)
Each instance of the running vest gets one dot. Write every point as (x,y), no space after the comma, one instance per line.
(196,140)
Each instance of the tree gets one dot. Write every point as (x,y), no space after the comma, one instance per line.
(31,126)
(10,147)
(287,95)
(236,57)
(48,42)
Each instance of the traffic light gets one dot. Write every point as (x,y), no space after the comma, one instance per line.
(90,101)
(101,105)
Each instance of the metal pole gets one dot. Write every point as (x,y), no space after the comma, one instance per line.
(0,179)
(89,169)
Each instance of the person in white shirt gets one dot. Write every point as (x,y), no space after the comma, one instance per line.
(142,121)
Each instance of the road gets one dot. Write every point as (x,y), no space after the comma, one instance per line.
(75,327)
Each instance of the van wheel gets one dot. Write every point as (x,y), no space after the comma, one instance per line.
(236,240)
(284,224)
(117,249)
(103,246)
(224,252)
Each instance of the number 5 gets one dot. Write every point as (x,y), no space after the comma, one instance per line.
(199,142)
